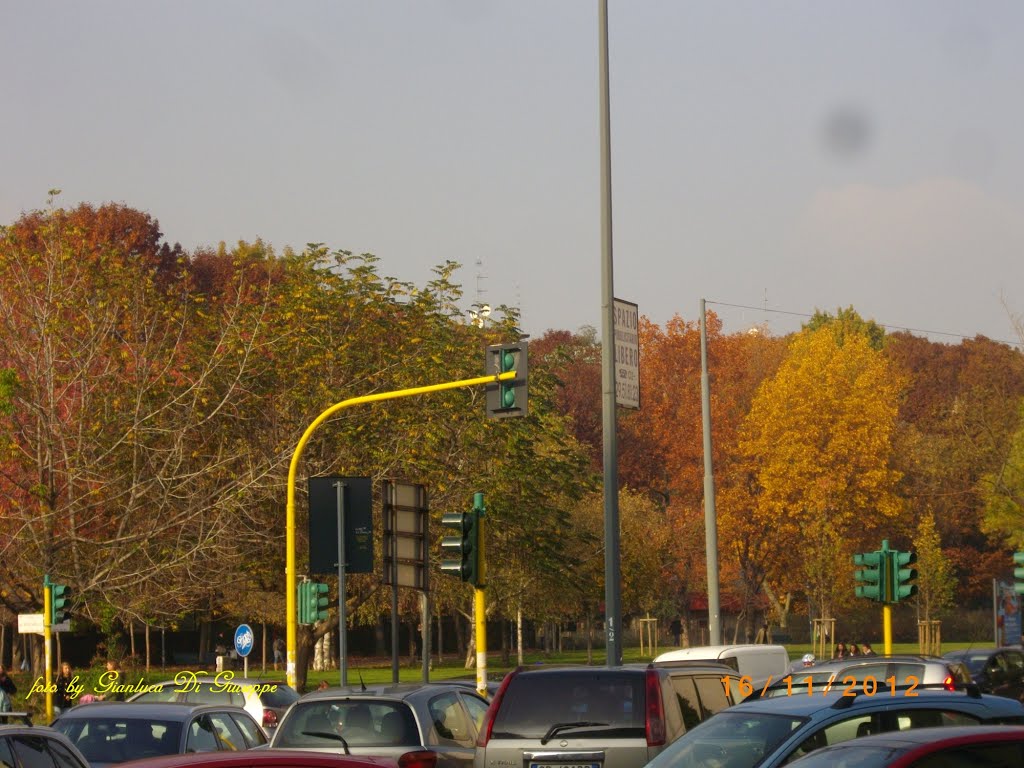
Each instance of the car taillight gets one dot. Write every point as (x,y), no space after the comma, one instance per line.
(949,683)
(423,758)
(655,725)
(488,724)
(269,718)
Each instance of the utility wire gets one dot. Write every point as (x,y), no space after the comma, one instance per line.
(883,325)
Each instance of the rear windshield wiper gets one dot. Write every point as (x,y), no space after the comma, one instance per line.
(566,726)
(329,735)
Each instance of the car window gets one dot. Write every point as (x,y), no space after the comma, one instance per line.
(533,702)
(1015,662)
(836,733)
(32,752)
(450,725)
(324,722)
(280,697)
(477,709)
(228,736)
(932,718)
(728,739)
(207,695)
(114,740)
(169,693)
(712,695)
(250,731)
(6,757)
(689,703)
(63,756)
(201,737)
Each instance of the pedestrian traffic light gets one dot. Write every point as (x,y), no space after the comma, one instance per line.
(871,574)
(507,398)
(1018,573)
(902,575)
(463,547)
(60,599)
(312,602)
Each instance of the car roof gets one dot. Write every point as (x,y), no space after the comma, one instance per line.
(802,705)
(269,757)
(877,659)
(386,690)
(157,710)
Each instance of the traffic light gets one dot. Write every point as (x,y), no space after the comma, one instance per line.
(312,602)
(901,575)
(465,545)
(871,574)
(507,398)
(1018,573)
(60,599)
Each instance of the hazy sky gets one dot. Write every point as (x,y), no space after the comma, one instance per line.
(788,155)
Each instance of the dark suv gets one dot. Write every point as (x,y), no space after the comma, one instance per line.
(995,670)
(598,717)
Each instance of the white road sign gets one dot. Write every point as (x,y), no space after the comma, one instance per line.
(32,624)
(627,354)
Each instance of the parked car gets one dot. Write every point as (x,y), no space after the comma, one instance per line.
(115,732)
(770,732)
(995,670)
(993,746)
(757,662)
(265,700)
(279,758)
(23,745)
(429,723)
(596,717)
(886,672)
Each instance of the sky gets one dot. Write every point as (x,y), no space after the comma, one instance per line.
(772,158)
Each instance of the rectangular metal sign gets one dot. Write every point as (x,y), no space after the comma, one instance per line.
(323,525)
(627,354)
(406,517)
(32,624)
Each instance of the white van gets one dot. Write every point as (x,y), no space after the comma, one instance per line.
(759,662)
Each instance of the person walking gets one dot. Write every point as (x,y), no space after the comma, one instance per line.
(278,651)
(867,650)
(841,650)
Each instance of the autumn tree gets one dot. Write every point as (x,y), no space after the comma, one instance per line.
(936,583)
(817,444)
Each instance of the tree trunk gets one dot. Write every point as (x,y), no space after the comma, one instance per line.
(519,636)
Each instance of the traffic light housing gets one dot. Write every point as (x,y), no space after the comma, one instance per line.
(507,398)
(1018,573)
(902,575)
(871,575)
(60,603)
(464,547)
(312,602)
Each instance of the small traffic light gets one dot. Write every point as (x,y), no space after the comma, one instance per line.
(312,602)
(465,546)
(60,599)
(902,575)
(871,575)
(507,398)
(1018,573)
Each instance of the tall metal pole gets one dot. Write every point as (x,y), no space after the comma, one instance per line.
(612,574)
(710,516)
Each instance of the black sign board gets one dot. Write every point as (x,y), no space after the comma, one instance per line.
(323,524)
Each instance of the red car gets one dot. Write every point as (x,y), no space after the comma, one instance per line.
(950,747)
(266,758)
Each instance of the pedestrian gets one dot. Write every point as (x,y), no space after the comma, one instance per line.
(841,650)
(61,698)
(852,650)
(278,651)
(323,686)
(676,627)
(867,650)
(113,677)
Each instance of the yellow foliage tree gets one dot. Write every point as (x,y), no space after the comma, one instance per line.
(817,443)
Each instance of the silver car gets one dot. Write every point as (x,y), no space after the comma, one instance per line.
(265,700)
(436,723)
(868,674)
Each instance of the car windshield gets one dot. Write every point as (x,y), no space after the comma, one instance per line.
(118,739)
(975,661)
(739,740)
(360,723)
(608,704)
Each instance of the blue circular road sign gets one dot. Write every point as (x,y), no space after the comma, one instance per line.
(243,640)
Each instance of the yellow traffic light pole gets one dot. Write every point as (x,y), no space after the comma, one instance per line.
(47,650)
(479,610)
(291,582)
